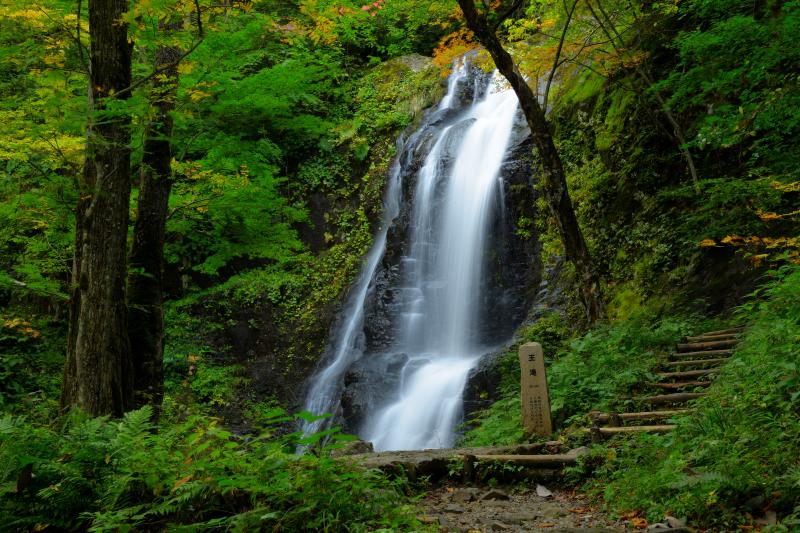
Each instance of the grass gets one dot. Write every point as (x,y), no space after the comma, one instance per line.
(736,458)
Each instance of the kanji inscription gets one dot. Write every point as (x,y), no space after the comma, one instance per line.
(533,384)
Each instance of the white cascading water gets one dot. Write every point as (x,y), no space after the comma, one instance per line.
(456,77)
(326,385)
(441,275)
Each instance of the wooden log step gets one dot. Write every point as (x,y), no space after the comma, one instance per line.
(678,397)
(696,362)
(736,329)
(604,418)
(680,385)
(662,428)
(688,373)
(707,338)
(710,345)
(544,461)
(707,353)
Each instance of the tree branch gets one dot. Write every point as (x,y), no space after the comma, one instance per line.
(510,11)
(569,12)
(608,27)
(176,62)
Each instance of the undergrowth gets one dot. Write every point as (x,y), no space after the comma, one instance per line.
(593,371)
(727,464)
(98,474)
(738,456)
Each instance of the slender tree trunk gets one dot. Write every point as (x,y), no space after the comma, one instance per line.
(554,182)
(617,42)
(97,376)
(146,276)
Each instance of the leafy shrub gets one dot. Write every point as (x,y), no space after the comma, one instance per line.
(31,361)
(591,372)
(121,475)
(742,444)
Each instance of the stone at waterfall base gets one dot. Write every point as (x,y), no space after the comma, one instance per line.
(353,448)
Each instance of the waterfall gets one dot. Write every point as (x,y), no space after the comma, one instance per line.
(437,289)
(322,396)
(326,385)
(445,280)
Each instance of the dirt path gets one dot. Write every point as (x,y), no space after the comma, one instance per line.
(474,509)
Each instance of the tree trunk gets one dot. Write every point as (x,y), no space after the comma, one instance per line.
(554,182)
(145,279)
(97,376)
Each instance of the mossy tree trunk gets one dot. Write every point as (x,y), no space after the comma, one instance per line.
(97,376)
(553,179)
(146,276)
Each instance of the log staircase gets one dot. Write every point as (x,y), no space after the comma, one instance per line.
(682,378)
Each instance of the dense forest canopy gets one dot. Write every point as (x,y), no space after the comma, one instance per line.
(251,142)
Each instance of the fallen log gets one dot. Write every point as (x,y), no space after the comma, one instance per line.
(707,338)
(662,428)
(678,397)
(680,384)
(434,463)
(602,418)
(688,373)
(697,362)
(736,329)
(544,461)
(707,353)
(696,346)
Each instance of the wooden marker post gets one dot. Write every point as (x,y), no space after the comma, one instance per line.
(533,385)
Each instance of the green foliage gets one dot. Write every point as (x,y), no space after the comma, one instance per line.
(121,475)
(740,68)
(607,362)
(743,441)
(31,363)
(41,139)
(592,371)
(382,29)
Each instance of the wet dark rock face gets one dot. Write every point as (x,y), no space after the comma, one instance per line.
(483,385)
(511,278)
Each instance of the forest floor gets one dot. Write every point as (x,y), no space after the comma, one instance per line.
(483,509)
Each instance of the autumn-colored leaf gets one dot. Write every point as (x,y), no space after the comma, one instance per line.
(178,484)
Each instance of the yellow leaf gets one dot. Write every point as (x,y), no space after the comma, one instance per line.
(766,216)
(185,67)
